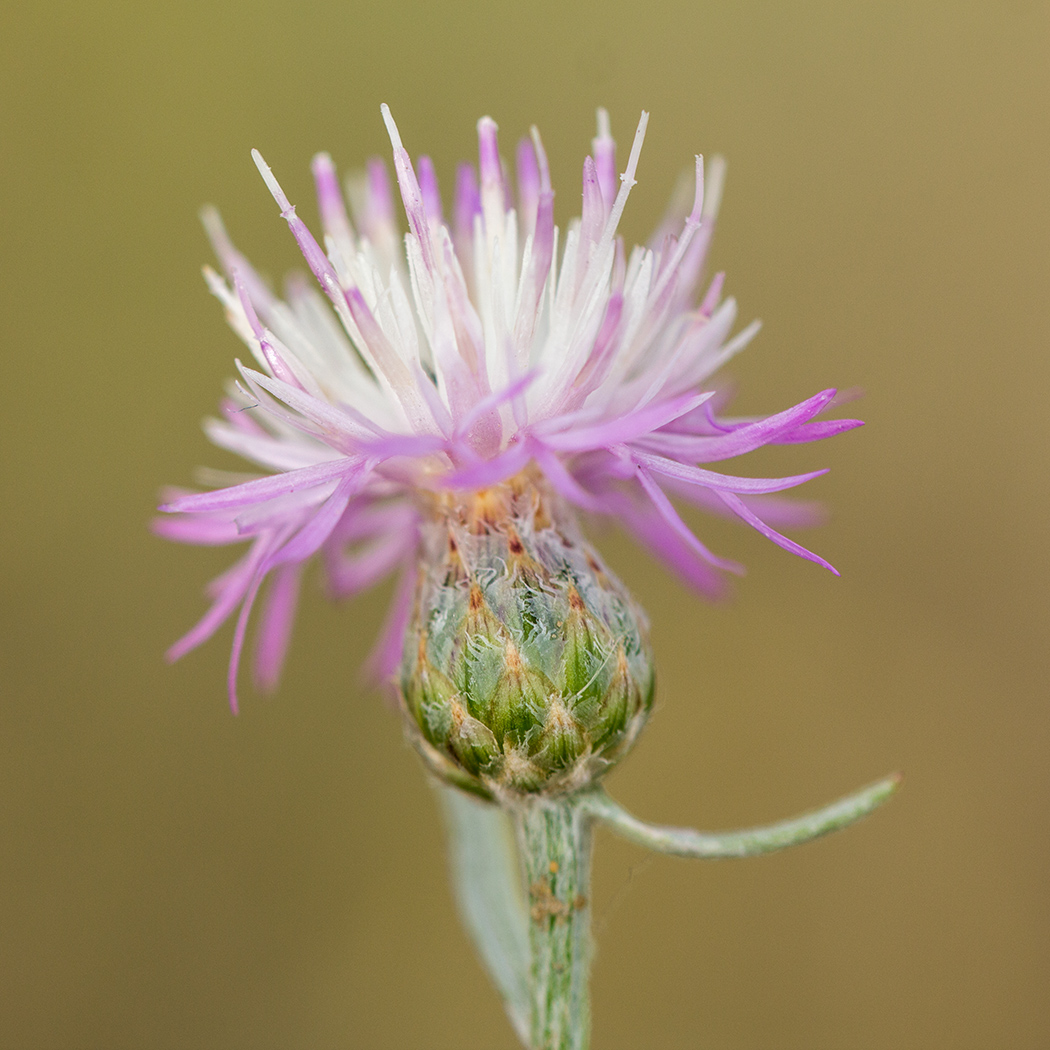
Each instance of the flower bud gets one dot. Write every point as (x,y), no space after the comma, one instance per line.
(527,665)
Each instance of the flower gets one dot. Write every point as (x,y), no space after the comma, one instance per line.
(463,355)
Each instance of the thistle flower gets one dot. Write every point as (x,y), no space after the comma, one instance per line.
(441,402)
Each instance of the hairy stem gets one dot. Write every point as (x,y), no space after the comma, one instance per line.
(555,840)
(748,842)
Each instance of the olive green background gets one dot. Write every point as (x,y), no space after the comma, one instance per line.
(174,877)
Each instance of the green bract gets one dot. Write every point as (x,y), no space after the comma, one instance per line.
(527,666)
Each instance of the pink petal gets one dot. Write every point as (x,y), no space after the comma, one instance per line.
(736,505)
(275,627)
(238,638)
(528,184)
(261,489)
(666,511)
(428,186)
(628,427)
(386,655)
(490,471)
(347,575)
(318,528)
(773,429)
(604,150)
(468,203)
(649,527)
(334,220)
(203,531)
(721,482)
(563,481)
(236,583)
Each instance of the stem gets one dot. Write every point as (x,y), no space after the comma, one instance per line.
(538,951)
(749,842)
(555,840)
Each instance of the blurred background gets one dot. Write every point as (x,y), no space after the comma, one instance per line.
(172,876)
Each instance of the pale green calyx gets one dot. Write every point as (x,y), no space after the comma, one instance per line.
(527,666)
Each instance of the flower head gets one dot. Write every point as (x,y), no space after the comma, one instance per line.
(419,370)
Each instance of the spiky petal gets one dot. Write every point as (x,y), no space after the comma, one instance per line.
(457,355)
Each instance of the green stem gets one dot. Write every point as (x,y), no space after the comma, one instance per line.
(748,842)
(555,840)
(538,949)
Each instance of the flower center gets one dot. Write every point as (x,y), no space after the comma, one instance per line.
(527,664)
